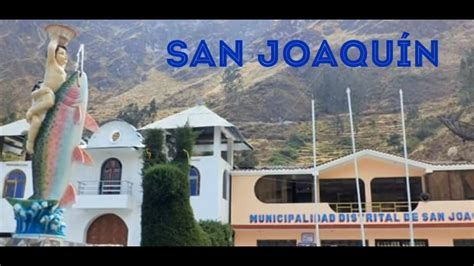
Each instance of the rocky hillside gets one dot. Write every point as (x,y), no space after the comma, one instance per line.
(126,64)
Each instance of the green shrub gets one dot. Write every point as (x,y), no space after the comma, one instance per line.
(219,234)
(278,159)
(153,152)
(184,141)
(295,141)
(345,141)
(246,159)
(289,153)
(167,216)
(426,128)
(394,140)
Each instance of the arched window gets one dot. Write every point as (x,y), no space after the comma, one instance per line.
(194,181)
(390,194)
(225,185)
(110,177)
(14,186)
(341,194)
(285,189)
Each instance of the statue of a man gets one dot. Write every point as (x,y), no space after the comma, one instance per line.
(43,98)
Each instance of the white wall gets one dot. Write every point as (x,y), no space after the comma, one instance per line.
(223,203)
(210,205)
(7,220)
(129,158)
(102,138)
(101,148)
(78,222)
(205,206)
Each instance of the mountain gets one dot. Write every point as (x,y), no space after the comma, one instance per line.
(126,64)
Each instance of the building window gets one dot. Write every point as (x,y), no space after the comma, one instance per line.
(285,189)
(463,242)
(276,243)
(115,136)
(343,243)
(341,194)
(205,136)
(111,176)
(450,185)
(194,180)
(14,186)
(467,179)
(400,242)
(225,185)
(390,194)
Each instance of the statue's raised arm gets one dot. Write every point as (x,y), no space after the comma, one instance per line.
(52,46)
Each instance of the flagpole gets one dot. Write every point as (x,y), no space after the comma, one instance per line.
(407,175)
(359,203)
(315,176)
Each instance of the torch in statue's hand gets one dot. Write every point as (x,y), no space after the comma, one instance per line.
(63,34)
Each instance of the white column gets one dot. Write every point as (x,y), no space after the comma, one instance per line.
(217,142)
(407,174)
(356,169)
(315,179)
(230,152)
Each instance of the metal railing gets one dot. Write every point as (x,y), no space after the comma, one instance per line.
(395,206)
(104,187)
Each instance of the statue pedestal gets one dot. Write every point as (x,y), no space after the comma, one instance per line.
(40,242)
(38,218)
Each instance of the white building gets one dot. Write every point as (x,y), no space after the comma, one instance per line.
(212,161)
(108,206)
(15,177)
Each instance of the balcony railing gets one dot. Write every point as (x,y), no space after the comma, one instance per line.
(396,206)
(105,187)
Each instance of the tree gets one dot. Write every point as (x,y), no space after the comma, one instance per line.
(412,112)
(329,89)
(394,140)
(466,77)
(339,125)
(9,118)
(219,234)
(167,216)
(184,141)
(153,152)
(246,159)
(232,81)
(152,106)
(278,159)
(8,110)
(137,117)
(426,128)
(295,141)
(130,114)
